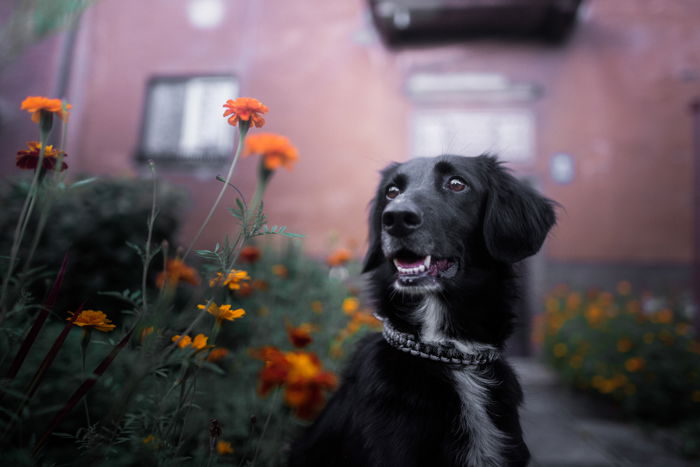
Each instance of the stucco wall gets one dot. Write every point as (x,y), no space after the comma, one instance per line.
(615,97)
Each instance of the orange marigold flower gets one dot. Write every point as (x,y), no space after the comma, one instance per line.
(634,364)
(250,254)
(560,350)
(176,271)
(261,285)
(664,316)
(182,341)
(624,345)
(339,257)
(300,336)
(302,376)
(36,104)
(350,305)
(217,354)
(149,439)
(276,150)
(28,159)
(223,448)
(247,109)
(233,279)
(145,332)
(199,342)
(92,319)
(280,270)
(317,307)
(223,312)
(624,287)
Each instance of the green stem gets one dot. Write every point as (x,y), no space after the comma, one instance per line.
(25,213)
(151,222)
(56,179)
(83,352)
(273,402)
(243,130)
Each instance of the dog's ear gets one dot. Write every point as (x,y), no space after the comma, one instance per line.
(517,218)
(374,255)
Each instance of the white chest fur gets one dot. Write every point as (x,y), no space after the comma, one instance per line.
(485,440)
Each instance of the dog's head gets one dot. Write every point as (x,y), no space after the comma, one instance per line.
(435,219)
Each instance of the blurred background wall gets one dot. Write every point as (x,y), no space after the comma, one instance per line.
(589,101)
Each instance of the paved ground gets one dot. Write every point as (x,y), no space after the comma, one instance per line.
(565,429)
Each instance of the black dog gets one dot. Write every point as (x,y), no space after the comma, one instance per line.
(433,389)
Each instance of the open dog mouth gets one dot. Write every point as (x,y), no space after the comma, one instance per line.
(413,268)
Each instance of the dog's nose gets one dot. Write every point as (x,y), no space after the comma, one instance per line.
(401,219)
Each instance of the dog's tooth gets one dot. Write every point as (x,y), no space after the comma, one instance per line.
(421,268)
(426,263)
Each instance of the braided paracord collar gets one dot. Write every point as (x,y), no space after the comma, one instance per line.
(438,352)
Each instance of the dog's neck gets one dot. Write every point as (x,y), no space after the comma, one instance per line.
(479,310)
(431,341)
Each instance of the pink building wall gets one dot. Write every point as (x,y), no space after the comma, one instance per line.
(615,97)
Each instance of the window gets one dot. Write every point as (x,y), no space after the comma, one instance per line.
(183,119)
(509,134)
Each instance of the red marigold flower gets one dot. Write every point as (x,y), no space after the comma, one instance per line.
(339,257)
(36,104)
(300,336)
(176,271)
(276,150)
(250,254)
(247,109)
(28,159)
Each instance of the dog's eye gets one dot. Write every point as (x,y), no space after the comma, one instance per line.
(392,191)
(456,184)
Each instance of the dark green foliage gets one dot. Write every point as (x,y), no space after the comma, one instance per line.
(94,223)
(637,351)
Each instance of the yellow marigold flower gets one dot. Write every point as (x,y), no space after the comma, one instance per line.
(624,345)
(93,319)
(223,312)
(182,341)
(223,448)
(634,364)
(200,341)
(246,109)
(560,349)
(233,280)
(36,104)
(350,305)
